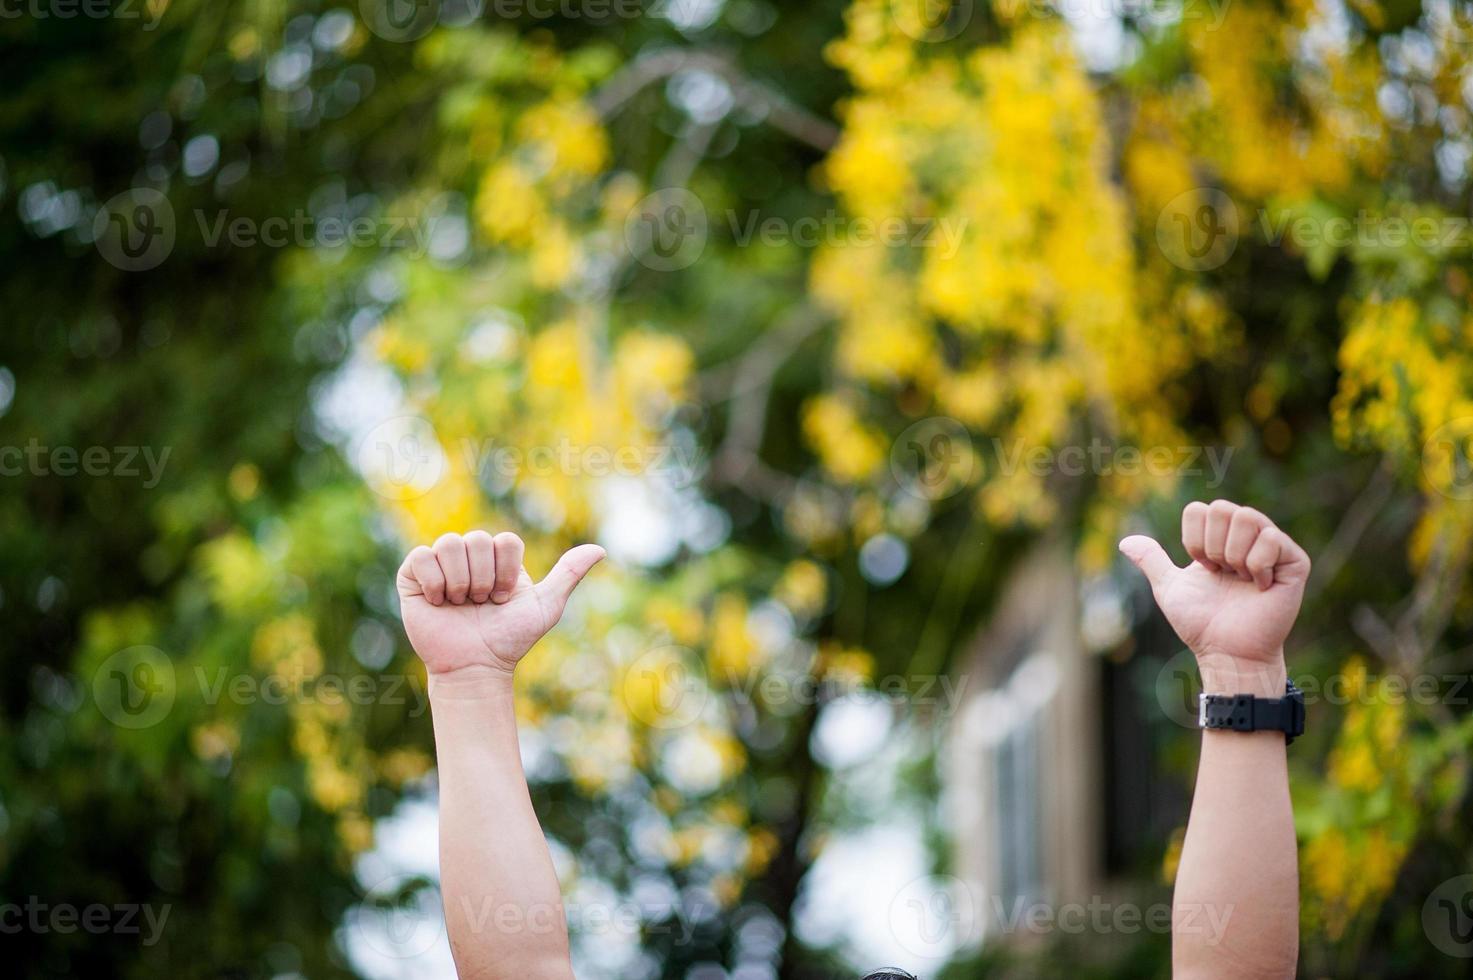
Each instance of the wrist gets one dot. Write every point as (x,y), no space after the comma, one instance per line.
(1260,677)
(474,682)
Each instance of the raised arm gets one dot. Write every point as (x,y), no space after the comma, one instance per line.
(472,612)
(1235,913)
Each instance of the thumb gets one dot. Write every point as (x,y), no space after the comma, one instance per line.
(1147,555)
(553,591)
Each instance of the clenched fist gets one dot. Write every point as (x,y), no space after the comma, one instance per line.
(1235,603)
(469,602)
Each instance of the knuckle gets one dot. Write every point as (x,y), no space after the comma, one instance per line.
(1222,507)
(478,537)
(447,540)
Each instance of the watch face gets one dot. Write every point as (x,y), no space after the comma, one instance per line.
(1201,711)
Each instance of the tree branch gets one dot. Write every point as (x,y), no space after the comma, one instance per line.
(772,105)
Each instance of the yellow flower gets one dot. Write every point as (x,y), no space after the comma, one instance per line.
(847,448)
(570,133)
(333,787)
(287,649)
(356,832)
(733,651)
(803,588)
(554,256)
(509,207)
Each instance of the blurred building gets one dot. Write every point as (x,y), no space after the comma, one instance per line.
(1055,790)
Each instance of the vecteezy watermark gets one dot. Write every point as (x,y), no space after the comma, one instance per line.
(932,21)
(1105,459)
(590,10)
(934,915)
(304,230)
(667,230)
(1177,686)
(1366,230)
(1447,917)
(400,20)
(130,462)
(1447,459)
(137,230)
(1198,229)
(668,687)
(779,692)
(933,458)
(326,688)
(665,688)
(137,688)
(567,458)
(677,920)
(399,916)
(936,457)
(36,915)
(402,458)
(833,228)
(410,20)
(1212,12)
(149,13)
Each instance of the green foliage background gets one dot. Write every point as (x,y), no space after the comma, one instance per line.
(1329,370)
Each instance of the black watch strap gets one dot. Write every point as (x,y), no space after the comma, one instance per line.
(1246,713)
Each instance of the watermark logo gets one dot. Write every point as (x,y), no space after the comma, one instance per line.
(135,687)
(146,921)
(1177,688)
(148,11)
(834,229)
(400,458)
(933,915)
(667,230)
(1198,229)
(135,230)
(933,458)
(1447,917)
(403,458)
(1447,459)
(664,688)
(932,21)
(400,20)
(1449,20)
(1102,458)
(138,687)
(400,916)
(35,459)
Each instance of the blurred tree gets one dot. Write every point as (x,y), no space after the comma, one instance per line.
(587,303)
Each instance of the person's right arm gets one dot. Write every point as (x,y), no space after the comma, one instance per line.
(1235,913)
(472,612)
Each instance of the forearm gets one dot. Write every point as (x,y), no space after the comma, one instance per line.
(1236,907)
(503,909)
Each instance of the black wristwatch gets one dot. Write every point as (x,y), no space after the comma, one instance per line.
(1246,713)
